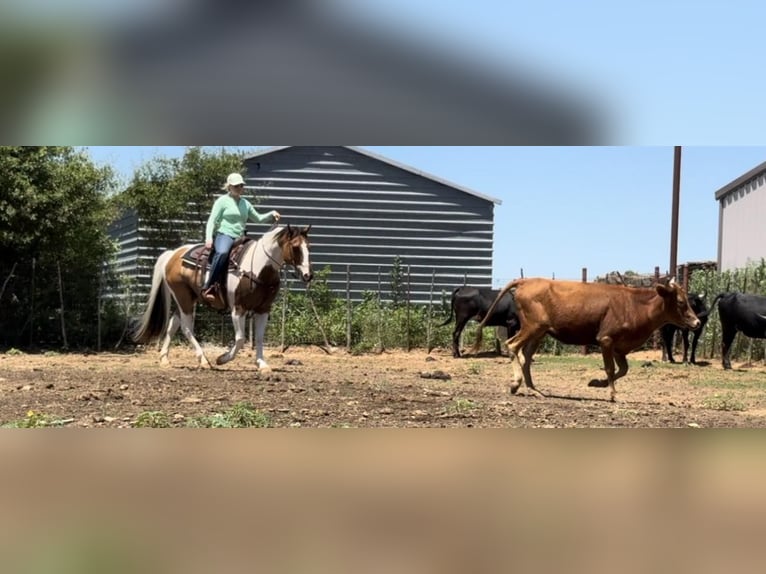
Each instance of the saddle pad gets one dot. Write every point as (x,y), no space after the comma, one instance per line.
(199,252)
(196,254)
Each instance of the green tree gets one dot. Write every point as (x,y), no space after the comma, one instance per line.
(178,190)
(54,213)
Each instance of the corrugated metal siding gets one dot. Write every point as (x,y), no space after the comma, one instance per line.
(365,212)
(743,236)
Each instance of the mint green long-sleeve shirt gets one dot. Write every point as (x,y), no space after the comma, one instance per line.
(230,217)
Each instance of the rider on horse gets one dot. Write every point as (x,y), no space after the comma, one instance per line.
(227,222)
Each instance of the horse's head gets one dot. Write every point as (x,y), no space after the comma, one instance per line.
(295,250)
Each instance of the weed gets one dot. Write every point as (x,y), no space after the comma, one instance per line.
(461,406)
(34,420)
(725,402)
(14,351)
(152,419)
(475,368)
(241,415)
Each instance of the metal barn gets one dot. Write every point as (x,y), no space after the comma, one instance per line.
(365,211)
(742,208)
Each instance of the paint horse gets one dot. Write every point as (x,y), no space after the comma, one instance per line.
(252,284)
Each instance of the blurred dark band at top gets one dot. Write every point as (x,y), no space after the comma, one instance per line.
(290,71)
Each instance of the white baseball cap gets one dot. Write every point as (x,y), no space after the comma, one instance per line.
(234,179)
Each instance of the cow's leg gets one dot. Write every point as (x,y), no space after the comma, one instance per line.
(460,323)
(261,320)
(667,343)
(501,335)
(525,361)
(685,338)
(695,340)
(607,353)
(516,346)
(727,338)
(239,338)
(187,328)
(622,369)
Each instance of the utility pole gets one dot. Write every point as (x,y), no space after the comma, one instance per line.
(674,222)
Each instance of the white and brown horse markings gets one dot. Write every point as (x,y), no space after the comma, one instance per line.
(251,287)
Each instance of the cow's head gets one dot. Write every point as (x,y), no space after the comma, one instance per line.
(677,308)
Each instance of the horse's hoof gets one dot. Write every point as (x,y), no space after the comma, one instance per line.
(598,383)
(221,359)
(164,362)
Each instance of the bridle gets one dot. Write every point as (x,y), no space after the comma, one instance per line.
(277,265)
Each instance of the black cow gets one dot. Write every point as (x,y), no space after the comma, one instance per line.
(472,303)
(697,303)
(740,312)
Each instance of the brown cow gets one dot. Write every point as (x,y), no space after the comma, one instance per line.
(617,318)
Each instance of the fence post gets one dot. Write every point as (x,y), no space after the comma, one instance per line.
(429,327)
(32,311)
(380,317)
(656,335)
(585,280)
(409,341)
(285,300)
(61,301)
(348,308)
(98,310)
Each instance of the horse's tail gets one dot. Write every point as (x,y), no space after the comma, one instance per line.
(488,314)
(451,308)
(155,319)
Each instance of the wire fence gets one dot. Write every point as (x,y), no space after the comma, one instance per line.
(44,306)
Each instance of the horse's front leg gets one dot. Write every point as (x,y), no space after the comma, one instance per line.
(239,338)
(261,319)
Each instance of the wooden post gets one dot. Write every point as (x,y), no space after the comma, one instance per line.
(656,335)
(676,199)
(521,273)
(348,308)
(686,277)
(409,340)
(10,275)
(285,299)
(32,311)
(585,280)
(380,317)
(327,347)
(429,327)
(556,349)
(98,310)
(61,302)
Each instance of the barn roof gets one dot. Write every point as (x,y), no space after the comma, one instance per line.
(395,164)
(729,187)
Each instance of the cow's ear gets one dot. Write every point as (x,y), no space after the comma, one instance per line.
(663,290)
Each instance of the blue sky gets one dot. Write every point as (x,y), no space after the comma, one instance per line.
(565,208)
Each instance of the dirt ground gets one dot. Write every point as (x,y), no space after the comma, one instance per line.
(310,388)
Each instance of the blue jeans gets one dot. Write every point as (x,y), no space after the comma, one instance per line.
(222,245)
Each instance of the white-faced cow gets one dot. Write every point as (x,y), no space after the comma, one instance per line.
(739,312)
(697,303)
(472,303)
(616,318)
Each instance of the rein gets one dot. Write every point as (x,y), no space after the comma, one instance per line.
(252,276)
